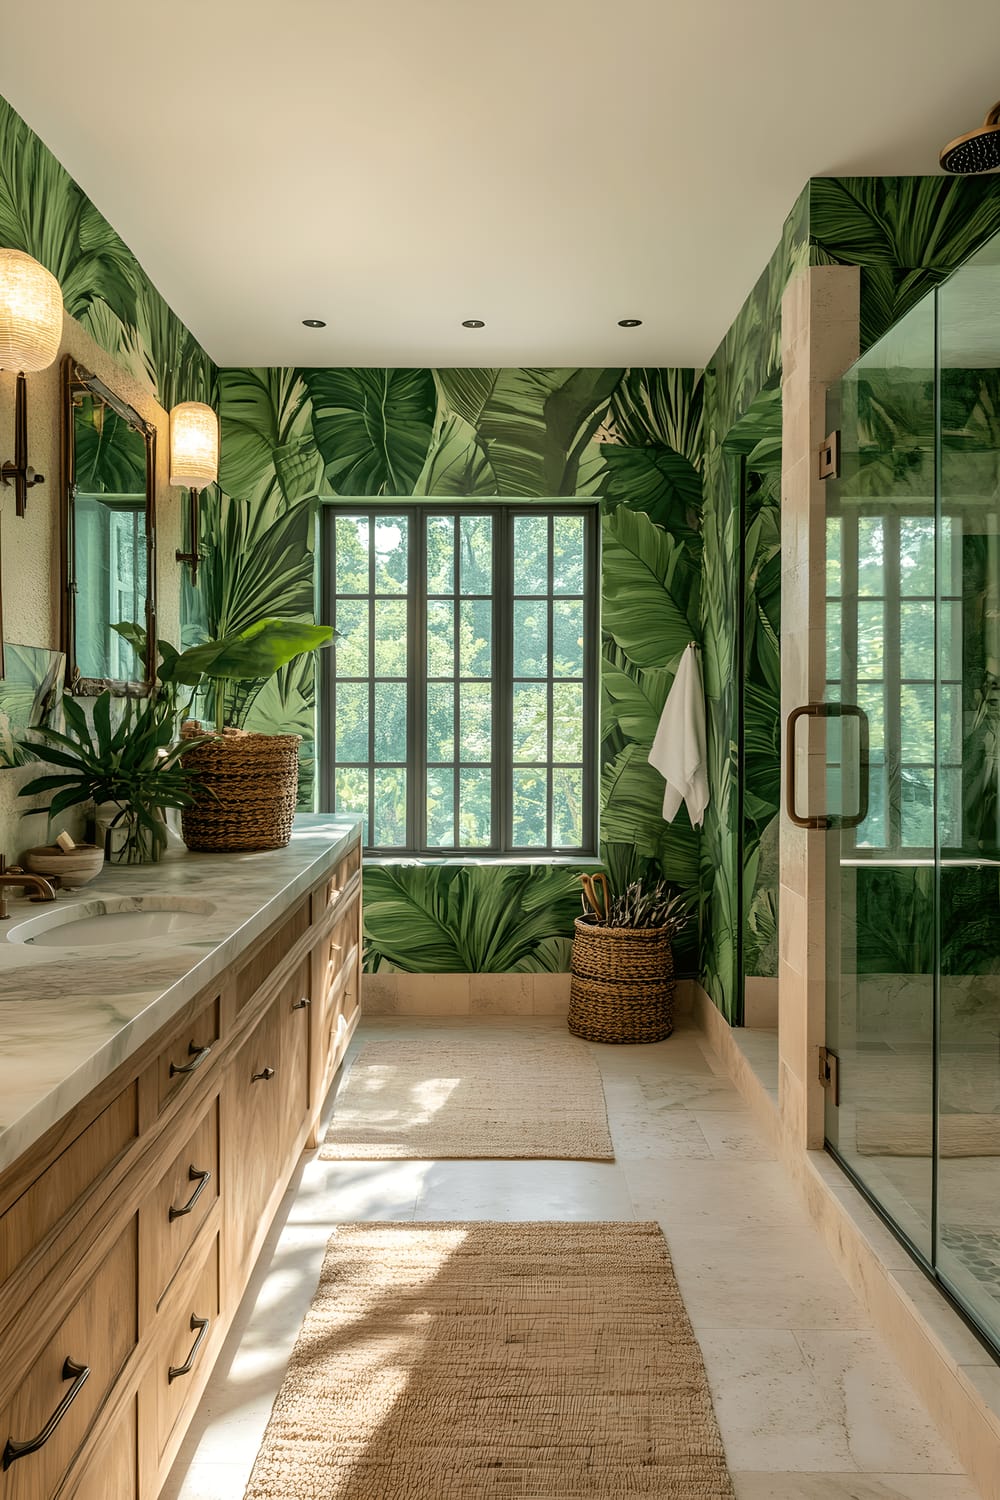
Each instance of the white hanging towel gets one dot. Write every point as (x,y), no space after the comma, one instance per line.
(678,751)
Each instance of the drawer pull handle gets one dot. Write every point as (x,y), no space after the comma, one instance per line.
(335,894)
(302,1004)
(197,1055)
(185,1369)
(15,1450)
(202,1179)
(265,1073)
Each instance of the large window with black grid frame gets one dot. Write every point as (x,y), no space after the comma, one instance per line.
(459,706)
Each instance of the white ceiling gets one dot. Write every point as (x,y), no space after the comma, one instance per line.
(550,166)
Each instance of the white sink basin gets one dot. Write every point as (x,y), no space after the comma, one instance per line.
(125,919)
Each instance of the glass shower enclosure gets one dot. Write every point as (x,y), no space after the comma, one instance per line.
(912,767)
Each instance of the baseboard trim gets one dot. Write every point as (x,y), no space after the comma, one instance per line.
(760,1003)
(470,995)
(481,995)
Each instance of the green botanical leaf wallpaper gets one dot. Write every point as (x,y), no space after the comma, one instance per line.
(45,213)
(509,433)
(683,465)
(686,469)
(907,234)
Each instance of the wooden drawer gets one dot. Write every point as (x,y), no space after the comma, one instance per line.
(294,1004)
(342,941)
(342,1006)
(340,957)
(112,1472)
(252,1102)
(186,1323)
(343,873)
(339,970)
(266,1100)
(280,941)
(97,1334)
(67,1180)
(187,1052)
(175,1210)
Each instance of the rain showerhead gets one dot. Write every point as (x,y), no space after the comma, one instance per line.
(976,151)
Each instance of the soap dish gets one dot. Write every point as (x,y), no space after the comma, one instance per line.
(78,867)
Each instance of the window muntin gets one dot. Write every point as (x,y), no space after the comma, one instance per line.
(460,708)
(880,627)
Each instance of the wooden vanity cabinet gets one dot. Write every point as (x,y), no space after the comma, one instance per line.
(336,983)
(128,1240)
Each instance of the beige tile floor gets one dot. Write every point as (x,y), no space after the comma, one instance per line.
(810,1403)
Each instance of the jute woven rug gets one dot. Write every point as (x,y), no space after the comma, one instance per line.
(507,1361)
(510,1098)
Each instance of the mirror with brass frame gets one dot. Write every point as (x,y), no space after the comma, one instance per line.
(108,534)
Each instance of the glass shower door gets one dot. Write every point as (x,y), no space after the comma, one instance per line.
(881,617)
(967,1252)
(913,887)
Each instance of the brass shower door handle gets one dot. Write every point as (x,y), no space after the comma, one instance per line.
(825,821)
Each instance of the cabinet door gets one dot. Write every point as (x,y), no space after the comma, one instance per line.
(111,1473)
(46,1421)
(253,1115)
(267,1096)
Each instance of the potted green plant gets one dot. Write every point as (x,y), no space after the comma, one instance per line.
(622,989)
(247,783)
(134,766)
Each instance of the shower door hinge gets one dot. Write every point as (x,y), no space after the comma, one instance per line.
(829,457)
(829,1072)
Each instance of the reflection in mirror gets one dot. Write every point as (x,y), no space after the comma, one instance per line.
(108,533)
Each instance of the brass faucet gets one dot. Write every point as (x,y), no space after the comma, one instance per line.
(45,889)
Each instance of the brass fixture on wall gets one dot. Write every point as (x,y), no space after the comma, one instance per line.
(977,150)
(31,313)
(194,463)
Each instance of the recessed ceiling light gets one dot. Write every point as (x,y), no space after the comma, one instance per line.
(473,323)
(313,323)
(629,322)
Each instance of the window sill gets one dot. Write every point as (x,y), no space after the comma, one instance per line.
(564,861)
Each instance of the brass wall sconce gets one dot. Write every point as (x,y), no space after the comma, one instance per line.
(31,315)
(194,462)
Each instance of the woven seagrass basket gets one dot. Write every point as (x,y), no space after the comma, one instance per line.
(251,784)
(622,987)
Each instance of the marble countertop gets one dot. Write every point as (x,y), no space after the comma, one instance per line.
(70,1015)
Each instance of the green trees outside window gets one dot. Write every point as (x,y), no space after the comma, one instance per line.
(460,707)
(884,593)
